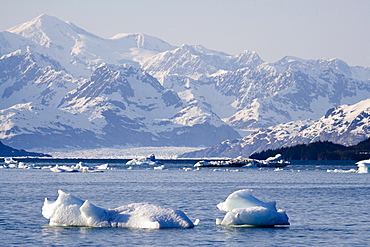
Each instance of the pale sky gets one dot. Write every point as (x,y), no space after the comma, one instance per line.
(309,29)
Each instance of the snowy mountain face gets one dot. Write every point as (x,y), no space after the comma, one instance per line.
(134,89)
(291,90)
(346,125)
(31,77)
(196,61)
(257,94)
(43,105)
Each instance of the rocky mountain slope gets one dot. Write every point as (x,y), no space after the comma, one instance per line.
(116,105)
(63,86)
(346,125)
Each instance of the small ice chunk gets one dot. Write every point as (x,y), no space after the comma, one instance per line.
(363,166)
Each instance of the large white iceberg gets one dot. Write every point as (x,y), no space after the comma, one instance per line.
(244,209)
(69,210)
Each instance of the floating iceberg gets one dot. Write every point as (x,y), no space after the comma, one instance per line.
(363,166)
(151,161)
(275,162)
(63,168)
(244,209)
(69,210)
(79,167)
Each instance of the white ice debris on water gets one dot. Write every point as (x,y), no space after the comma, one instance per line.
(69,210)
(244,209)
(342,171)
(363,166)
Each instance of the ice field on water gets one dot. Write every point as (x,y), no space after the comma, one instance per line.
(324,208)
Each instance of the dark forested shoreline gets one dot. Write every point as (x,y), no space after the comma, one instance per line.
(320,151)
(6,151)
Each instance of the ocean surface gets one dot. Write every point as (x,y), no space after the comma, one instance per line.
(324,208)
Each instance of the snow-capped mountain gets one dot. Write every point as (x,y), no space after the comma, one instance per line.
(140,90)
(291,89)
(130,106)
(31,77)
(346,125)
(196,61)
(256,94)
(79,51)
(43,105)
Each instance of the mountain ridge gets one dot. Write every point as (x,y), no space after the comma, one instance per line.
(347,125)
(60,66)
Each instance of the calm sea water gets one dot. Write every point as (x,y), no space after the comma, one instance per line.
(325,209)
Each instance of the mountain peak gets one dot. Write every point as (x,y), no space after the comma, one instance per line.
(46,18)
(46,30)
(144,41)
(287,60)
(248,58)
(200,49)
(38,22)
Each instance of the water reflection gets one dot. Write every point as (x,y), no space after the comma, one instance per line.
(244,235)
